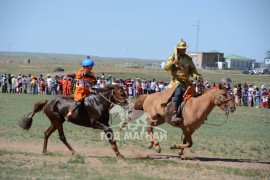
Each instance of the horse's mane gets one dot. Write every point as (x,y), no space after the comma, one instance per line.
(201,93)
(198,94)
(107,87)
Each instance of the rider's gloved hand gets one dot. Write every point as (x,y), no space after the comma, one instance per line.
(87,74)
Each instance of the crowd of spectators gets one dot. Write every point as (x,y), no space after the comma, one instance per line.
(243,94)
(29,84)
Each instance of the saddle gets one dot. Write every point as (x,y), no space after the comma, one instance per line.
(188,94)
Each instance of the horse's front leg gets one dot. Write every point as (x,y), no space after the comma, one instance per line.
(109,134)
(187,143)
(181,151)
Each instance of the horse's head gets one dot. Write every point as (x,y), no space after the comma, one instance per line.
(118,95)
(223,99)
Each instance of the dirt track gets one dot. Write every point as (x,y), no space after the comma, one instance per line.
(139,153)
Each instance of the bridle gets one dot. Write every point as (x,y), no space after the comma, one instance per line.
(222,101)
(121,102)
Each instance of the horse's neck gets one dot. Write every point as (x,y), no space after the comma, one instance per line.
(105,98)
(205,102)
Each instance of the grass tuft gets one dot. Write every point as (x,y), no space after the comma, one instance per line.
(77,159)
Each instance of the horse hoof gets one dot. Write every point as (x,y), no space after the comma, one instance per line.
(120,156)
(158,150)
(150,145)
(190,158)
(172,147)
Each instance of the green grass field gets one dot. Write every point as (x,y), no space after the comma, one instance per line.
(239,149)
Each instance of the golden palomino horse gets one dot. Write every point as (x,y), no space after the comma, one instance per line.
(194,112)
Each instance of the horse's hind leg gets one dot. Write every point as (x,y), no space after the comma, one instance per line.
(109,134)
(63,138)
(150,132)
(153,139)
(47,134)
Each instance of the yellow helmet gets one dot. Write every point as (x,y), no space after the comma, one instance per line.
(182,45)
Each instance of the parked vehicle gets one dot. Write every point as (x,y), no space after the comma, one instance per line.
(253,72)
(262,70)
(58,70)
(245,72)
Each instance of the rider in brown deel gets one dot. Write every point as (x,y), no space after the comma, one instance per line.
(181,67)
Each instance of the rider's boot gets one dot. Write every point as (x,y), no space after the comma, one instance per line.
(176,117)
(70,112)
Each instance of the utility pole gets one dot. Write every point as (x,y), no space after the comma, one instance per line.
(9,50)
(198,28)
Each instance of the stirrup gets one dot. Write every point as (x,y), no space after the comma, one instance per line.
(68,115)
(175,118)
(67,118)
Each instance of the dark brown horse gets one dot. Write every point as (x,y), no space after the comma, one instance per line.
(194,113)
(94,113)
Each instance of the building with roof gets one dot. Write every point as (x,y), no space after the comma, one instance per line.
(208,60)
(216,60)
(239,62)
(267,58)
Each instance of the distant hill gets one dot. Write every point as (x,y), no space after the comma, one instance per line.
(69,56)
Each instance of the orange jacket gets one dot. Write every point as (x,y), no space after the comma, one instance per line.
(83,84)
(69,84)
(64,83)
(64,86)
(69,87)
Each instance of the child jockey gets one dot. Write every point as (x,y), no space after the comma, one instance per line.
(85,79)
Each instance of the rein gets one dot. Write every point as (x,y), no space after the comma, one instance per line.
(112,104)
(219,98)
(222,101)
(109,100)
(218,124)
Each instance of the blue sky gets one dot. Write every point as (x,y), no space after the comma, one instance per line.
(139,29)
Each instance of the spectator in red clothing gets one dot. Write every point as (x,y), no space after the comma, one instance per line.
(213,86)
(42,85)
(265,99)
(64,85)
(139,88)
(69,86)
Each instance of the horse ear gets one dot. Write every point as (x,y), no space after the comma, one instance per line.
(116,87)
(220,86)
(112,87)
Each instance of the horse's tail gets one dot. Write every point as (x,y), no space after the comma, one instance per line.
(26,121)
(139,103)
